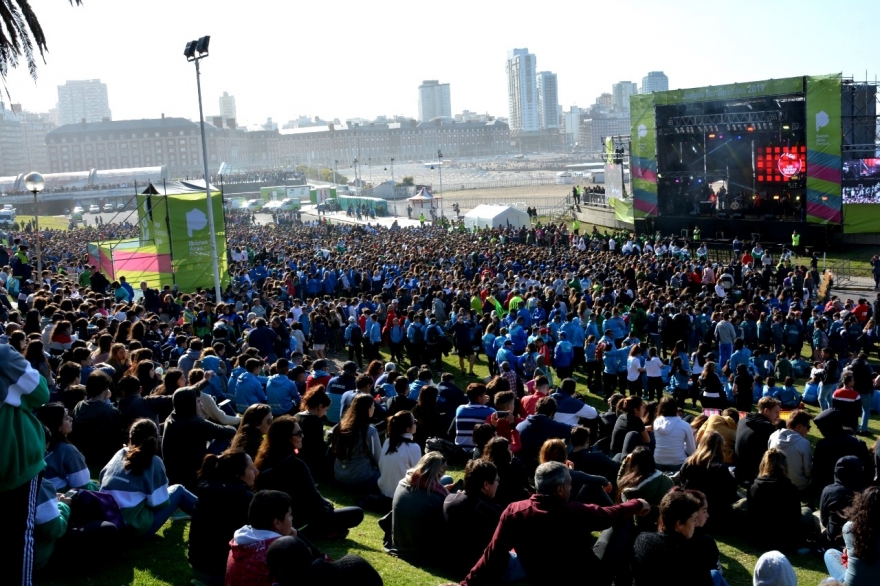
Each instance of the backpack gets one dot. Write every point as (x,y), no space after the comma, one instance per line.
(355,336)
(418,334)
(433,335)
(455,455)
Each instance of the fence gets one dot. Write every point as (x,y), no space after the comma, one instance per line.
(846,276)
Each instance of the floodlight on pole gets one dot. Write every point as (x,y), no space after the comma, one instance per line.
(35,183)
(194,52)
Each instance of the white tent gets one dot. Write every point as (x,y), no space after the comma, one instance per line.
(494,216)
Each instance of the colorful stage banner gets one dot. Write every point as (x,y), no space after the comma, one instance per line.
(643,162)
(824,136)
(732,91)
(861,218)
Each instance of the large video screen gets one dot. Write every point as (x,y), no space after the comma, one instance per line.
(780,164)
(862,193)
(861,169)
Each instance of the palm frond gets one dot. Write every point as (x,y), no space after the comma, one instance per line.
(21,35)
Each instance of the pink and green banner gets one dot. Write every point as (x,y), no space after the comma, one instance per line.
(824,137)
(643,150)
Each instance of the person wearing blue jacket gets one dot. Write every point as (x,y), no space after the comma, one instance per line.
(741,355)
(622,364)
(233,378)
(519,336)
(617,326)
(609,370)
(282,394)
(249,389)
(563,356)
(506,353)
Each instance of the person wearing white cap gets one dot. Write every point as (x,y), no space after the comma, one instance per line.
(774,569)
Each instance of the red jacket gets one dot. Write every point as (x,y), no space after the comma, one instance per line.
(246,564)
(547,535)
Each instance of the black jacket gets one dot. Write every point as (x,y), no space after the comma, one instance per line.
(222,509)
(836,443)
(97,432)
(653,552)
(717,483)
(291,475)
(774,509)
(314,446)
(838,496)
(752,434)
(471,521)
(184,443)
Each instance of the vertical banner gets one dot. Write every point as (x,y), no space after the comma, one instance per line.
(824,137)
(609,150)
(643,163)
(191,240)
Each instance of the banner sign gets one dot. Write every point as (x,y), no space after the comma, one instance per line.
(732,91)
(824,137)
(643,160)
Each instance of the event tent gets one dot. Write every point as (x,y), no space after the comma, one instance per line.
(495,215)
(423,199)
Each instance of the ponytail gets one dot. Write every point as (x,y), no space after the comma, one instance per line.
(143,444)
(631,404)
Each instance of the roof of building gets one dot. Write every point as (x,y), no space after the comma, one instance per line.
(123,125)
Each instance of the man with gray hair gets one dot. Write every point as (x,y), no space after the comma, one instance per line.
(547,533)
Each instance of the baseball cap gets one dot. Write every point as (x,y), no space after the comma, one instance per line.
(350,366)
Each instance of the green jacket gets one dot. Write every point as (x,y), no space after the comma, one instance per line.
(22,441)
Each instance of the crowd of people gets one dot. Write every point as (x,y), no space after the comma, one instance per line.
(126,406)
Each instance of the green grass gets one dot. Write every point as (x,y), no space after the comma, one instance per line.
(162,561)
(46,222)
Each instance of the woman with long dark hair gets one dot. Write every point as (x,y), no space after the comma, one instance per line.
(65,466)
(514,483)
(135,478)
(281,469)
(225,490)
(629,421)
(711,391)
(356,445)
(253,428)
(399,451)
(639,478)
(861,534)
(431,423)
(35,354)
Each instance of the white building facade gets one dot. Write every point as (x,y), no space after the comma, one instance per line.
(522,93)
(548,100)
(434,100)
(84,100)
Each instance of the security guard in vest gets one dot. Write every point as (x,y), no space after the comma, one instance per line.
(796,242)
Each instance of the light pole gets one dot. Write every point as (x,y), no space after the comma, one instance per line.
(357,183)
(440,167)
(35,183)
(194,52)
(392,169)
(335,164)
(370,167)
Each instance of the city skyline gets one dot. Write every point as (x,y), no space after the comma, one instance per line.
(475,69)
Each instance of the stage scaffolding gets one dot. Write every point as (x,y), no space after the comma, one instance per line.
(859,119)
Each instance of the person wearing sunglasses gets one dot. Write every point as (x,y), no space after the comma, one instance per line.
(280,468)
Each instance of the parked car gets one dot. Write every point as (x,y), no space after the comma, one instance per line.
(108,207)
(120,207)
(94,209)
(254,205)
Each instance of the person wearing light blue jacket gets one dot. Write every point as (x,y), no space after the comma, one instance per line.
(281,393)
(740,355)
(609,370)
(249,389)
(490,350)
(233,379)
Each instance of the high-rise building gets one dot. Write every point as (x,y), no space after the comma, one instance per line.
(522,94)
(548,100)
(227,107)
(621,92)
(434,100)
(34,128)
(84,100)
(655,81)
(571,122)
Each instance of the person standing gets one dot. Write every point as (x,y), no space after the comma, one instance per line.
(22,448)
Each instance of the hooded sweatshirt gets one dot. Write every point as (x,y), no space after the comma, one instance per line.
(799,454)
(247,557)
(674,439)
(774,569)
(752,434)
(838,496)
(836,443)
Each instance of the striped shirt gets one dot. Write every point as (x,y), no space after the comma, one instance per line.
(466,418)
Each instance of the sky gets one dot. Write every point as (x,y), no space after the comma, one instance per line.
(345,59)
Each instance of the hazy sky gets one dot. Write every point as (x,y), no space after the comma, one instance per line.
(344,59)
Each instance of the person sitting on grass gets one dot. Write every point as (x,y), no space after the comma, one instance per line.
(315,405)
(504,419)
(591,461)
(471,515)
(793,442)
(280,468)
(269,518)
(861,567)
(292,562)
(355,443)
(671,547)
(468,416)
(225,491)
(418,529)
(549,512)
(135,478)
(400,452)
(585,488)
(65,465)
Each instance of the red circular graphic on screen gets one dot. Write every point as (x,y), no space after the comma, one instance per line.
(789,164)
